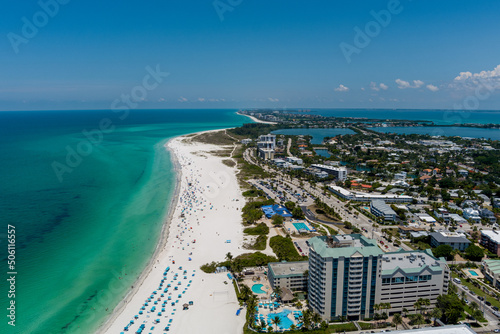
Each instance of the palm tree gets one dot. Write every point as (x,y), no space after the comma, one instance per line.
(376,307)
(277,292)
(417,305)
(316,319)
(293,327)
(463,295)
(251,305)
(405,311)
(397,319)
(418,320)
(425,302)
(276,322)
(306,318)
(436,313)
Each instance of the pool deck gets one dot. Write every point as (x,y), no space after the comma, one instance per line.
(259,278)
(288,225)
(477,271)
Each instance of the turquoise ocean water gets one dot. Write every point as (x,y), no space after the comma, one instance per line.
(84,237)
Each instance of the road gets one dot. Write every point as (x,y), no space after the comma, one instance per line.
(357,219)
(488,311)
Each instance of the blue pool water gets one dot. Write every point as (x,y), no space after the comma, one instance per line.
(283,315)
(301,226)
(257,288)
(473,273)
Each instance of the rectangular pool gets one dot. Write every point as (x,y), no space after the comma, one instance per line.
(301,226)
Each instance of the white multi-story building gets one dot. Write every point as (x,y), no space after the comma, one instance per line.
(338,172)
(380,209)
(294,160)
(472,215)
(443,214)
(348,274)
(290,275)
(410,275)
(266,145)
(343,271)
(367,197)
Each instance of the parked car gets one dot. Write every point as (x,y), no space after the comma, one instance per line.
(488,303)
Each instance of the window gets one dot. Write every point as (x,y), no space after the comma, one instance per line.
(396,280)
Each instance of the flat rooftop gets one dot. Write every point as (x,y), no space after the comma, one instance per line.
(493,235)
(344,246)
(289,268)
(450,329)
(409,260)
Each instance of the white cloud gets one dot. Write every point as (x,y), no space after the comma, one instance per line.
(161,99)
(432,88)
(418,83)
(201,99)
(487,79)
(272,100)
(495,73)
(402,84)
(182,99)
(376,87)
(405,84)
(341,88)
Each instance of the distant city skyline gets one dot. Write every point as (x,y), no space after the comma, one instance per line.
(62,54)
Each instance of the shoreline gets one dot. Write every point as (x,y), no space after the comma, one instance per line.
(132,301)
(159,246)
(256,120)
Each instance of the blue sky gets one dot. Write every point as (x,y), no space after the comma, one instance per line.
(242,53)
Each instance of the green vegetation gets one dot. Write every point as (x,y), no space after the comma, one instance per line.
(445,251)
(277,220)
(328,211)
(284,249)
(253,130)
(260,243)
(260,229)
(474,253)
(240,262)
(254,193)
(297,213)
(251,212)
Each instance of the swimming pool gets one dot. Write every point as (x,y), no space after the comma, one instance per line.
(301,226)
(257,288)
(283,315)
(473,273)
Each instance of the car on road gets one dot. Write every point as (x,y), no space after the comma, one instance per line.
(480,298)
(495,308)
(487,303)
(466,288)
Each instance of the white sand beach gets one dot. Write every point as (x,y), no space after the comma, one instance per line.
(257,120)
(204,227)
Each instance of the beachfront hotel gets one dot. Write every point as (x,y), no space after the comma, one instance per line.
(343,271)
(348,274)
(410,275)
(266,145)
(288,275)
